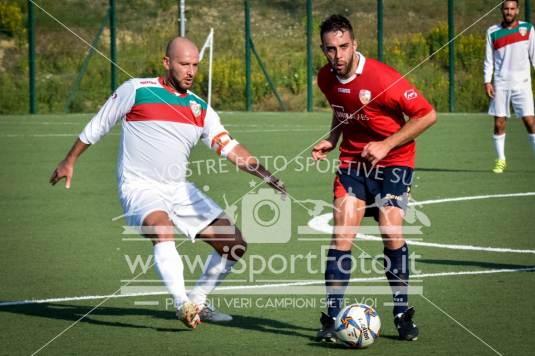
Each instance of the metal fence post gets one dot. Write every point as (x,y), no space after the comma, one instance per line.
(248,96)
(113,46)
(310,92)
(451,48)
(380,14)
(31,56)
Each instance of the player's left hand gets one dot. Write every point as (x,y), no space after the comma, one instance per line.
(374,152)
(65,169)
(277,185)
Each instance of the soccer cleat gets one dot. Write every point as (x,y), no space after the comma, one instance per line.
(209,313)
(406,328)
(327,332)
(500,166)
(188,313)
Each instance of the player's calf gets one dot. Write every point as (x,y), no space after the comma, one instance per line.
(229,246)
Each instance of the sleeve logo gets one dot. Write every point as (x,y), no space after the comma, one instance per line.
(410,94)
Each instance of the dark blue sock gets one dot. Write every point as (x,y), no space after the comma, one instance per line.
(396,265)
(337,274)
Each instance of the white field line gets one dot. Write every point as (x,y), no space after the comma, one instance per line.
(473,197)
(117,134)
(82,123)
(267,286)
(321,224)
(361,237)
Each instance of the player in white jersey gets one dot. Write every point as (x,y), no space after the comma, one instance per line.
(510,48)
(161,121)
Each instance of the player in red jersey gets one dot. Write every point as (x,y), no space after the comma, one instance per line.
(369,101)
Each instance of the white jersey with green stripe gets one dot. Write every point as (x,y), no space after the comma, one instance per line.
(159,128)
(508,55)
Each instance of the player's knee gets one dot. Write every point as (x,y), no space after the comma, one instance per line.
(158,227)
(238,247)
(529,122)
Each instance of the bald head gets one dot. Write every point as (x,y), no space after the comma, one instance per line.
(181,62)
(180,45)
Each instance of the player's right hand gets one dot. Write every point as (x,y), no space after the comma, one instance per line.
(489,88)
(65,170)
(319,152)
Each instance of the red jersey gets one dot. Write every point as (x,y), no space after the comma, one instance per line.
(372,105)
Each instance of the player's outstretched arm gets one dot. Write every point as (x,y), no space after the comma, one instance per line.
(241,157)
(376,151)
(116,107)
(321,149)
(65,168)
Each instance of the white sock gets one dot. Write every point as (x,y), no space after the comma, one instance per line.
(217,268)
(499,144)
(171,269)
(532,141)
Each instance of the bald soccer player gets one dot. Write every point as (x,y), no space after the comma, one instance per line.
(162,120)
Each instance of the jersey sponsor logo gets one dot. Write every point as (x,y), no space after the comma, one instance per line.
(365,96)
(410,94)
(344,90)
(148,82)
(346,117)
(523,31)
(196,108)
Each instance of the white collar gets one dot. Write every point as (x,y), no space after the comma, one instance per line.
(358,71)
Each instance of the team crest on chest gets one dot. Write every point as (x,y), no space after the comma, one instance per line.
(523,31)
(365,96)
(196,108)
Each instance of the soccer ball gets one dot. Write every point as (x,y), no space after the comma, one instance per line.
(357,325)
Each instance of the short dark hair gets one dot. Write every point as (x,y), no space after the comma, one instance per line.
(336,23)
(517,3)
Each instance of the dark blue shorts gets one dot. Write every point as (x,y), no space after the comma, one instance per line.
(383,186)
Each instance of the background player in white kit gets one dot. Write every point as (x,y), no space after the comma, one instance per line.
(161,122)
(510,47)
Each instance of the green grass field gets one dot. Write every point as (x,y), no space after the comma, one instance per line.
(63,244)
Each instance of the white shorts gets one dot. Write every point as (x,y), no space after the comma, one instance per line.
(188,208)
(521,99)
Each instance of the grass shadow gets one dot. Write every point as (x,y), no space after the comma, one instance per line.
(75,312)
(482,264)
(451,170)
(276,327)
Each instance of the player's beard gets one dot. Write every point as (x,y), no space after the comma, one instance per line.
(176,84)
(509,20)
(345,70)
